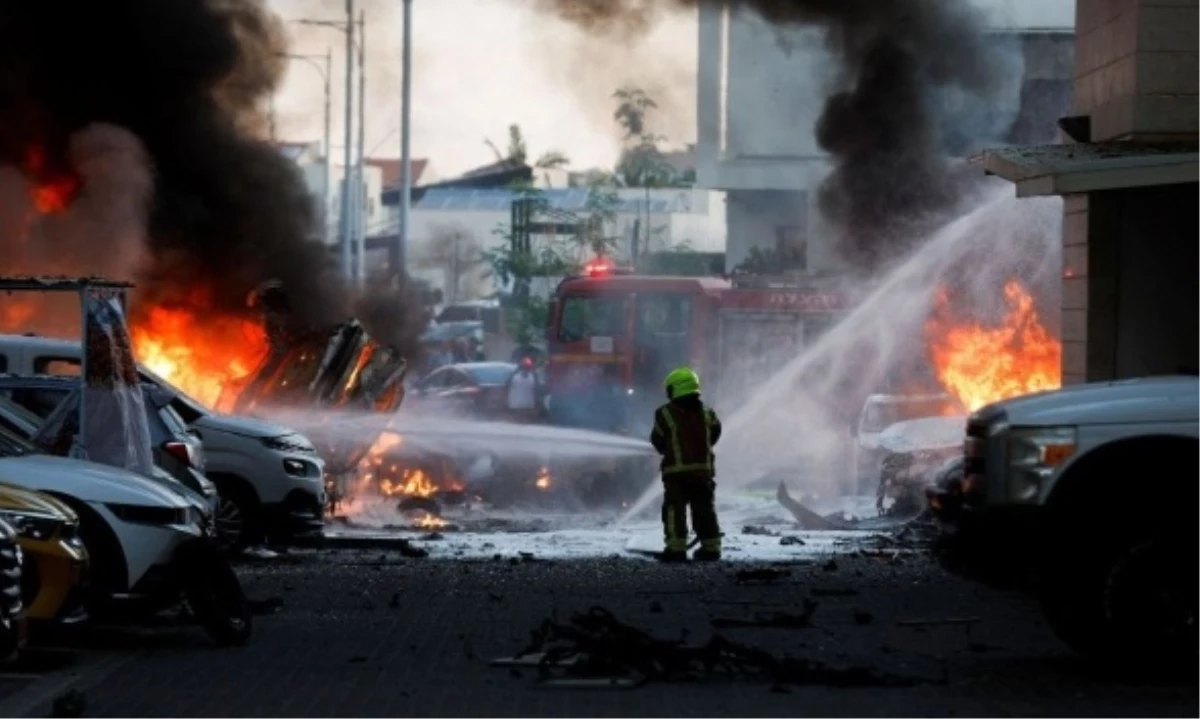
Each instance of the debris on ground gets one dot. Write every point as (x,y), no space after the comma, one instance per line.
(759,531)
(764,575)
(863,617)
(830,566)
(595,650)
(805,517)
(777,620)
(791,540)
(269,605)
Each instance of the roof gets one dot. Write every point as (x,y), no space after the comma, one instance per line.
(58,283)
(496,175)
(1087,167)
(390,169)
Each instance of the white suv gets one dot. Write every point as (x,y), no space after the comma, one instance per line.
(270,479)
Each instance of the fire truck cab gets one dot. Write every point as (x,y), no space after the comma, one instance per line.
(613,336)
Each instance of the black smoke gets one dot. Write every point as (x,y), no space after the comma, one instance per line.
(188,79)
(880,124)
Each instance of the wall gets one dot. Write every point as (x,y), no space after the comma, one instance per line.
(1135,68)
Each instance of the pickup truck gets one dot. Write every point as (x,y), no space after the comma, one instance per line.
(1088,496)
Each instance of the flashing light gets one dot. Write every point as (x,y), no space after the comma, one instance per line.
(598,268)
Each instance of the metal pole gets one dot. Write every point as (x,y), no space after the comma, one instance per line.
(360,208)
(347,175)
(399,270)
(327,188)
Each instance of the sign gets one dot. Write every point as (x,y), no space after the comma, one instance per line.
(786,300)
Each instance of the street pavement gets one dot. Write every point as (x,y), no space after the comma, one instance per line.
(370,633)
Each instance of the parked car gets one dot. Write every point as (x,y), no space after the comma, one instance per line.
(476,389)
(12,612)
(177,450)
(27,426)
(269,478)
(55,568)
(149,547)
(1085,495)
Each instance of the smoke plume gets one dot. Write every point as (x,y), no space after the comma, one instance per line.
(154,108)
(878,124)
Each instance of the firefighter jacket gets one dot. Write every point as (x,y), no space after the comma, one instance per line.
(684,434)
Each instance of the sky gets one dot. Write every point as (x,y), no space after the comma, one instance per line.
(481,65)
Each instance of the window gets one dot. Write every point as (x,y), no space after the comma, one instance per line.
(39,401)
(57,366)
(791,243)
(594,316)
(660,315)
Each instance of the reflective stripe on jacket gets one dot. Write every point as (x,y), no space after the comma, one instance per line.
(684,433)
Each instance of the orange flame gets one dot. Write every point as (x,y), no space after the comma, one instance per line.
(544,480)
(196,350)
(430,521)
(50,193)
(980,365)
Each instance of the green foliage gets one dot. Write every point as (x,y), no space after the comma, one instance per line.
(772,262)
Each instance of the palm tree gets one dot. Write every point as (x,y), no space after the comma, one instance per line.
(517,152)
(632,106)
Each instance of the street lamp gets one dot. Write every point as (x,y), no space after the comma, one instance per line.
(326,73)
(348,191)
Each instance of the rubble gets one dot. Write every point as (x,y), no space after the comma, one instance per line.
(595,650)
(779,620)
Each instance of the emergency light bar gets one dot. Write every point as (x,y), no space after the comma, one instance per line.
(604,268)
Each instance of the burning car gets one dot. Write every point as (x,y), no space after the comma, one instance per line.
(914,450)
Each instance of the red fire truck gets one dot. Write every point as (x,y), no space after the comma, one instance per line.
(613,336)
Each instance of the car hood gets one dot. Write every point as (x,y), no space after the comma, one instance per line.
(18,499)
(926,433)
(1145,399)
(241,425)
(89,481)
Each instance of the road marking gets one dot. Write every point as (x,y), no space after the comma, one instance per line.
(37,699)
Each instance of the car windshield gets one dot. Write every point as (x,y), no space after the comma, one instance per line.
(591,316)
(498,373)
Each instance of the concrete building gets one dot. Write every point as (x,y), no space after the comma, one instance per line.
(1128,174)
(759,94)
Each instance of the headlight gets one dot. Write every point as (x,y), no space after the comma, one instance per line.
(32,525)
(1035,453)
(300,468)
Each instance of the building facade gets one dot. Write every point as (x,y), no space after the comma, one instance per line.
(760,93)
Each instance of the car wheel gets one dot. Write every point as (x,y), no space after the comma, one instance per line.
(237,518)
(1127,600)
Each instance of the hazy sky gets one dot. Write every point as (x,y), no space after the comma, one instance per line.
(480,65)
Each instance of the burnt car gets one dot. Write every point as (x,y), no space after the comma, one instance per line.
(475,389)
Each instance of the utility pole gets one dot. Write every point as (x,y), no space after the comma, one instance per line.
(347,172)
(360,182)
(400,252)
(327,184)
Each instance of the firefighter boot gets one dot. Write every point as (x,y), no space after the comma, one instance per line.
(672,556)
(709,551)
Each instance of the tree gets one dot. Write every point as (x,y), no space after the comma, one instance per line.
(632,107)
(518,153)
(455,252)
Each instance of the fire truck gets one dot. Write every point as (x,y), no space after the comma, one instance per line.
(612,337)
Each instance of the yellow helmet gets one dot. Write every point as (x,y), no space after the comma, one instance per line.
(681,382)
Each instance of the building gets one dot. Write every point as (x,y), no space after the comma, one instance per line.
(759,95)
(1127,171)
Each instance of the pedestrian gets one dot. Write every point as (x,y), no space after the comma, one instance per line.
(684,434)
(523,392)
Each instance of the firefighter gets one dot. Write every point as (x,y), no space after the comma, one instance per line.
(684,434)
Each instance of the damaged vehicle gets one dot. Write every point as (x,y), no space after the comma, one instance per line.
(1086,495)
(914,452)
(881,411)
(269,479)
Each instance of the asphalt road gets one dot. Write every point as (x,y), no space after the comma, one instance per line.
(370,633)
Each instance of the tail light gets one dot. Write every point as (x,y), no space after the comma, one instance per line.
(187,453)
